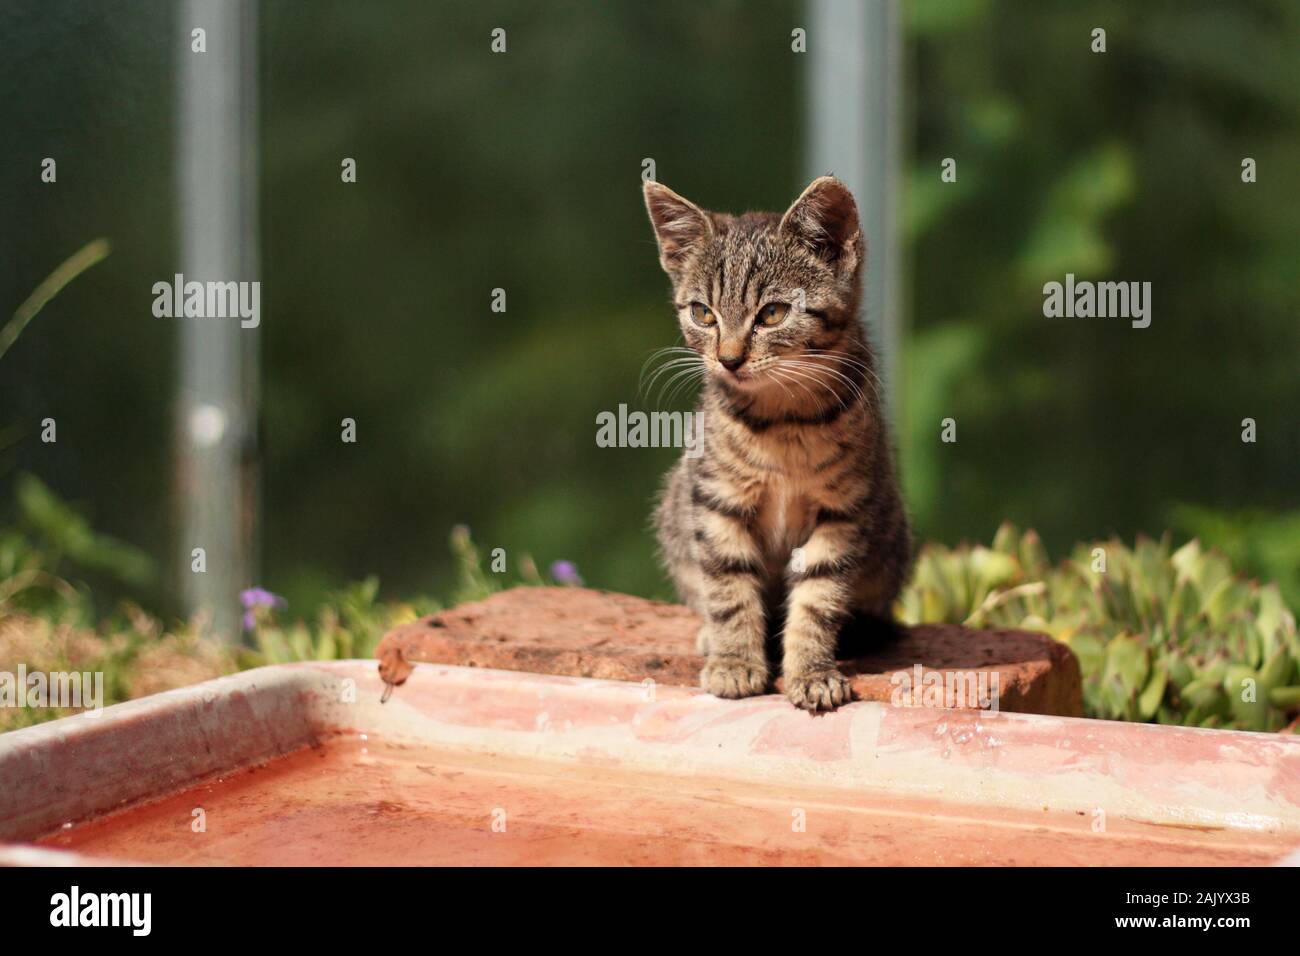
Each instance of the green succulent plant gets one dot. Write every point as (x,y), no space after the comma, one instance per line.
(1172,636)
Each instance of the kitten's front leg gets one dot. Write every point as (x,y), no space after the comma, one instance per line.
(817,606)
(733,637)
(734,631)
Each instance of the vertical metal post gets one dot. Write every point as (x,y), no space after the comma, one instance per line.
(854,101)
(217,226)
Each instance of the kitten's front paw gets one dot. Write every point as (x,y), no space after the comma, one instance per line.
(818,690)
(734,676)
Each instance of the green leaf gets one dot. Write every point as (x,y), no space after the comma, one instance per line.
(1246,699)
(1205,696)
(1285,698)
(1127,659)
(1278,671)
(1153,694)
(1007,539)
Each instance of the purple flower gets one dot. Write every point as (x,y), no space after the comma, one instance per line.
(566,572)
(260,597)
(254,598)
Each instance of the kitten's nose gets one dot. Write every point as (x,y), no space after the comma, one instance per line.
(731,362)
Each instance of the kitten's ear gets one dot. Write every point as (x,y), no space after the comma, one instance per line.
(679,224)
(825,220)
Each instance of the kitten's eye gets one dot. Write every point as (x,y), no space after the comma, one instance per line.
(703,315)
(773,313)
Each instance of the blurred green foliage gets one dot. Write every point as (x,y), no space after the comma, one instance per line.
(1265,543)
(49,623)
(522,172)
(1161,635)
(1127,166)
(49,537)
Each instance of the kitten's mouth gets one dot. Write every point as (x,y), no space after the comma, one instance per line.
(741,377)
(747,377)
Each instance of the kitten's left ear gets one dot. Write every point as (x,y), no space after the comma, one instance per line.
(825,221)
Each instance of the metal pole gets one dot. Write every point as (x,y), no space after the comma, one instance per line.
(217,226)
(854,96)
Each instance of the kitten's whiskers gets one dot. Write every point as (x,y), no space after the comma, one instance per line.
(676,352)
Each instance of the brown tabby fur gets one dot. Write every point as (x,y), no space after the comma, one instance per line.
(790,523)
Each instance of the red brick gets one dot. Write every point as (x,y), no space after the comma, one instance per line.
(584,633)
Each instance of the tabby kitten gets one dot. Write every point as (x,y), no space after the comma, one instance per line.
(789,526)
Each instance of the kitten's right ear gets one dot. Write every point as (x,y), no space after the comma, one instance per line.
(679,224)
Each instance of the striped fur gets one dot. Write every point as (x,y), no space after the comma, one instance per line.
(790,524)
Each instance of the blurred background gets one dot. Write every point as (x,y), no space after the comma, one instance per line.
(478,171)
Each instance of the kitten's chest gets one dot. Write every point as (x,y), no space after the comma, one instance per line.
(785,519)
(788,512)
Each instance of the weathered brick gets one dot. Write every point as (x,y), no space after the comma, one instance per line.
(584,633)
